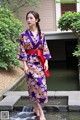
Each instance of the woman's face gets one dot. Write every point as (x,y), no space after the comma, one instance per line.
(31,21)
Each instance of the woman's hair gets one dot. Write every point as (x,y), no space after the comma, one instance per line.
(36,15)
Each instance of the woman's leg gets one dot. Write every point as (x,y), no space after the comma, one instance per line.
(41,113)
(36,109)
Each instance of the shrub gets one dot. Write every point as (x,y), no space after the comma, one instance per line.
(10,29)
(66,20)
(71,21)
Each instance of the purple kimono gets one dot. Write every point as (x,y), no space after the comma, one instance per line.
(36,79)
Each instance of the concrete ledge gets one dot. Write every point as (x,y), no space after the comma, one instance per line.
(19,93)
(74,99)
(62,93)
(13,96)
(8,102)
(61,35)
(74,108)
(51,93)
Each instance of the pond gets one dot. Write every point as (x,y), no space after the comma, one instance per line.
(63,115)
(51,110)
(55,116)
(63,78)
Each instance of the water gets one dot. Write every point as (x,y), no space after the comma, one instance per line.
(52,115)
(52,112)
(62,115)
(55,116)
(52,101)
(63,78)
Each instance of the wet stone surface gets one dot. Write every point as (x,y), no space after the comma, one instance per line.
(52,101)
(25,114)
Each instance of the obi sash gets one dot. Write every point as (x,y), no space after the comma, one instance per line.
(39,53)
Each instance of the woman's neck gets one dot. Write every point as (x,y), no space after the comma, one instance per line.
(33,29)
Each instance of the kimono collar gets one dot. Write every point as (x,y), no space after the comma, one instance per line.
(29,34)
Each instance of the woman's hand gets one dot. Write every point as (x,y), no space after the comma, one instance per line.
(26,69)
(46,65)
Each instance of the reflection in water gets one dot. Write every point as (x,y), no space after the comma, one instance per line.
(61,79)
(64,77)
(25,114)
(51,101)
(48,115)
(62,115)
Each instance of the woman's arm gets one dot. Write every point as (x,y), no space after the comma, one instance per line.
(46,65)
(25,67)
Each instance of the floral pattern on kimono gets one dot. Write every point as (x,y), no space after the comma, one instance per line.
(36,79)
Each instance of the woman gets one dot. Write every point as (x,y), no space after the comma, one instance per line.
(32,39)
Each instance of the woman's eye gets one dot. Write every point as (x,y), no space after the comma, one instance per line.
(29,18)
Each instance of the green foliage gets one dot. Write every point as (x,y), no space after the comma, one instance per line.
(71,21)
(10,29)
(77,51)
(76,26)
(8,54)
(9,26)
(66,21)
(3,64)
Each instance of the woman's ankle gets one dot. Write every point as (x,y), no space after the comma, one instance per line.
(35,110)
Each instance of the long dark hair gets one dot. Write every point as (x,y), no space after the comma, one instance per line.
(36,15)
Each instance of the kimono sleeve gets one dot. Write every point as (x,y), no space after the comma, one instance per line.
(46,51)
(21,50)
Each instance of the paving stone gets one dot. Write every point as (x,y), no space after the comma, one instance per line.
(74,99)
(25,93)
(13,96)
(8,102)
(51,93)
(74,108)
(20,93)
(62,93)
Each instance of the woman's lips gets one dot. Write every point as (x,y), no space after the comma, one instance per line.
(29,23)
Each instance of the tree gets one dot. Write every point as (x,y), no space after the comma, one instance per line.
(10,29)
(15,5)
(71,21)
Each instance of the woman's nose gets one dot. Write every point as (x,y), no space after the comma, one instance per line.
(28,19)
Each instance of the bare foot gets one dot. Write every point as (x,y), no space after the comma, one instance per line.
(35,110)
(42,118)
(37,118)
